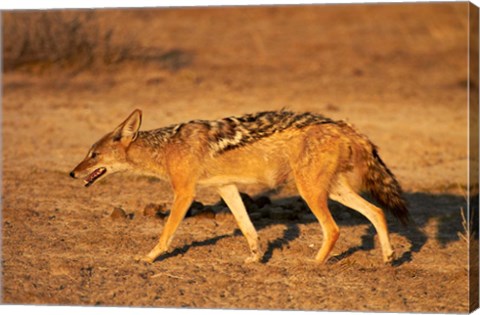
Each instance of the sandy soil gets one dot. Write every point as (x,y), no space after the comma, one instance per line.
(397,72)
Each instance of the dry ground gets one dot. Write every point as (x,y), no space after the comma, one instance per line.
(397,72)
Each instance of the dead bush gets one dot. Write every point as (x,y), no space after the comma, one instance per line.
(61,38)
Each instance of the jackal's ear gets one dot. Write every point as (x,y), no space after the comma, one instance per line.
(127,131)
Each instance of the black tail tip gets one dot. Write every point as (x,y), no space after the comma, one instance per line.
(402,214)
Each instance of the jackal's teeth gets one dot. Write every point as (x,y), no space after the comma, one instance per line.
(94,176)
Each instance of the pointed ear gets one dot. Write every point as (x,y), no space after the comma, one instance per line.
(127,131)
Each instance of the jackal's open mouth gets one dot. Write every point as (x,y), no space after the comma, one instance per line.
(96,174)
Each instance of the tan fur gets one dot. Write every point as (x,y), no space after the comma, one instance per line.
(325,158)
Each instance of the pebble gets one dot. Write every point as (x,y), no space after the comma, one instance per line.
(155,210)
(118,213)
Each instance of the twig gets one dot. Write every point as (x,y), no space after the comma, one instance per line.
(166,274)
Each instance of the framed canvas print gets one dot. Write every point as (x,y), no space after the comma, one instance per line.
(318,157)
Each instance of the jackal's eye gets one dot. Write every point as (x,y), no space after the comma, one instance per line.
(94,155)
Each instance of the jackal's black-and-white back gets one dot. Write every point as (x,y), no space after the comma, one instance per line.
(236,131)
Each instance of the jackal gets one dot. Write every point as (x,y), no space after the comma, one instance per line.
(325,159)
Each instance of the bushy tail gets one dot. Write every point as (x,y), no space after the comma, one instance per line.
(384,187)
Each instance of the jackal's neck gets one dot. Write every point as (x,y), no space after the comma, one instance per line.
(146,154)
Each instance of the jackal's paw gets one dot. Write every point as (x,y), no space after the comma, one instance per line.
(312,261)
(388,259)
(253,258)
(144,259)
(315,261)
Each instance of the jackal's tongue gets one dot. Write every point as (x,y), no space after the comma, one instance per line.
(94,176)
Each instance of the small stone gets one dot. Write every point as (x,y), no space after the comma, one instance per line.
(118,213)
(155,210)
(150,210)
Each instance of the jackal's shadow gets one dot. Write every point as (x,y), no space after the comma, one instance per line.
(424,208)
(445,209)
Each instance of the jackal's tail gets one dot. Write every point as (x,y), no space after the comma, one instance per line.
(384,187)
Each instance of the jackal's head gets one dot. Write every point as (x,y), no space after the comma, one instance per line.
(109,154)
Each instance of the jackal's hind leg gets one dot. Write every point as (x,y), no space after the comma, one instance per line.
(343,193)
(231,196)
(317,202)
(313,170)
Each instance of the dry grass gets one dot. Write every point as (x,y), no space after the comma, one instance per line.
(57,37)
(75,40)
(468,232)
(468,225)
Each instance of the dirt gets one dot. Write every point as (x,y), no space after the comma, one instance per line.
(397,72)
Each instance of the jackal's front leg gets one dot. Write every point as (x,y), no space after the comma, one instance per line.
(180,207)
(231,196)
